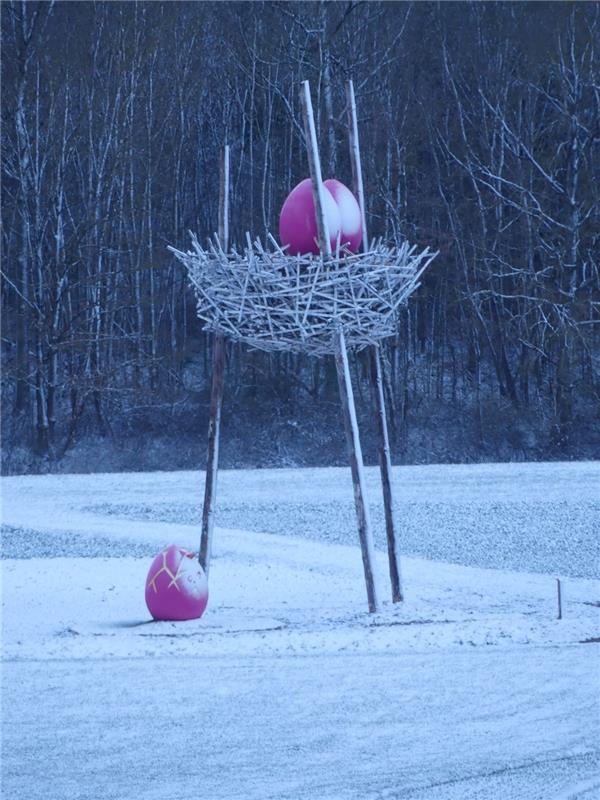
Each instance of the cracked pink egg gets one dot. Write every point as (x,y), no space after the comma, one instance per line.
(176,586)
(298,220)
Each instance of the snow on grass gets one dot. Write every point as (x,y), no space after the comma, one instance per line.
(287,687)
(272,595)
(533,517)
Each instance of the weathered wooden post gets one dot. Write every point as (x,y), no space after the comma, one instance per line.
(385,462)
(216,395)
(559,598)
(365,532)
(385,468)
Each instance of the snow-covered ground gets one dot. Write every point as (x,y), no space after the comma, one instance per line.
(287,688)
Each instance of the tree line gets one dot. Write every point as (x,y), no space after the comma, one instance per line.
(480,134)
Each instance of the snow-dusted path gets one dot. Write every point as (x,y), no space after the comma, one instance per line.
(345,726)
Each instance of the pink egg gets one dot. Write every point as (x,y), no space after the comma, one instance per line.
(351,223)
(298,221)
(176,586)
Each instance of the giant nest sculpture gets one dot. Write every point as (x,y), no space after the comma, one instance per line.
(322,305)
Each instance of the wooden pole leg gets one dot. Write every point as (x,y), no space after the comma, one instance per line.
(216,393)
(385,466)
(356,465)
(212,460)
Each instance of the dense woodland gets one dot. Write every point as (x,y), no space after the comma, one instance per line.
(480,134)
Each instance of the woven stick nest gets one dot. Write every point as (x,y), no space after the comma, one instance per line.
(272,301)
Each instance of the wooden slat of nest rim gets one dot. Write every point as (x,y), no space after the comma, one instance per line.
(272,301)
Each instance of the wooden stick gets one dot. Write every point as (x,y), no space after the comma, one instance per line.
(314,163)
(216,394)
(357,469)
(212,460)
(385,466)
(357,180)
(224,200)
(385,461)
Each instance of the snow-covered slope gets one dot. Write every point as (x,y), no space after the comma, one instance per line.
(287,688)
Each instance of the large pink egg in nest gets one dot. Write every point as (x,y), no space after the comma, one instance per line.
(350,219)
(176,586)
(298,220)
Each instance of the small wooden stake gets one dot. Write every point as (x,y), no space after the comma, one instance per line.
(559,597)
(216,395)
(385,462)
(314,163)
(356,466)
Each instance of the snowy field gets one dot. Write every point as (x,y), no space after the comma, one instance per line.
(287,688)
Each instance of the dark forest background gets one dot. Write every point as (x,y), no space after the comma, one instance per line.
(480,132)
